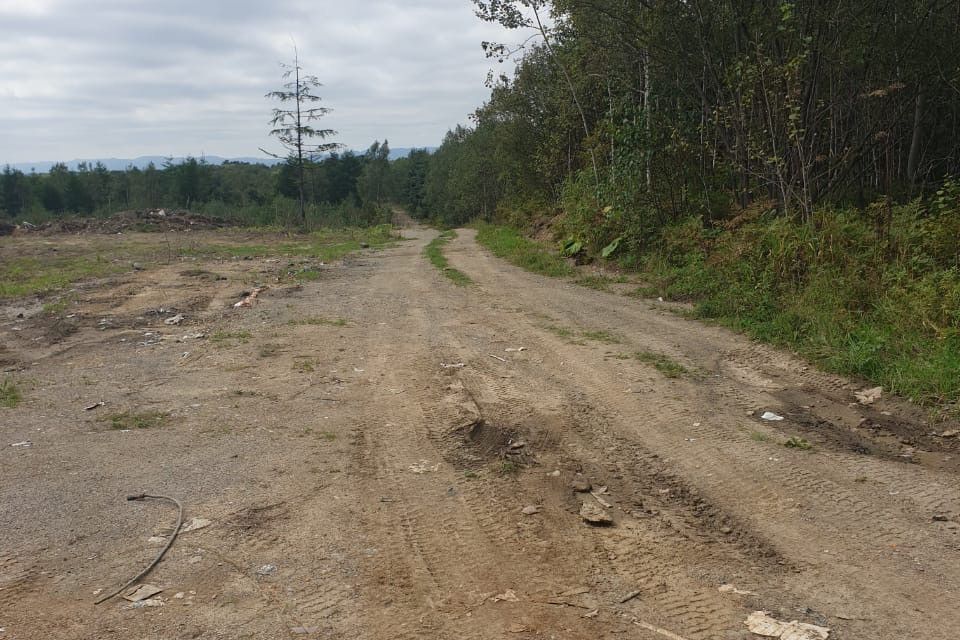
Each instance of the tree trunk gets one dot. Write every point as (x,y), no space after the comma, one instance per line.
(914,157)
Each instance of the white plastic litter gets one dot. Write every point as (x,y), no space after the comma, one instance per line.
(761,624)
(770,416)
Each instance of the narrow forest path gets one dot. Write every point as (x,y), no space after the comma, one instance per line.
(406,473)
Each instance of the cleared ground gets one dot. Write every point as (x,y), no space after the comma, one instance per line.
(368,445)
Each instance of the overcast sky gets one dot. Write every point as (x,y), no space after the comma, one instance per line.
(124,78)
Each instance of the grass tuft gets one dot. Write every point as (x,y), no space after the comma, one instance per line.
(127,421)
(10,395)
(663,364)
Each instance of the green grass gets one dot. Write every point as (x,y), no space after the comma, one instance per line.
(10,395)
(511,245)
(30,275)
(669,368)
(327,245)
(600,283)
(127,420)
(759,436)
(226,337)
(601,336)
(434,253)
(798,443)
(318,321)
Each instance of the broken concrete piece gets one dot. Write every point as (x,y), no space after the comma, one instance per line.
(594,514)
(761,624)
(174,320)
(142,592)
(869,396)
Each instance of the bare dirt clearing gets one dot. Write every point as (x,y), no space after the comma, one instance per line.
(383,454)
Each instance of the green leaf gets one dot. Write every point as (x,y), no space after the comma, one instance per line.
(611,248)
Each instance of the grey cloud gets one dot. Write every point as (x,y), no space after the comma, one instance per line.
(124,78)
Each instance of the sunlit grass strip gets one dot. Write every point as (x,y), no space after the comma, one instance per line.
(434,253)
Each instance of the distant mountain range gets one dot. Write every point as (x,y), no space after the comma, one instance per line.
(119,164)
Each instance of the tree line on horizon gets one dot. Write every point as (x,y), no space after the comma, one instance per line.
(341,188)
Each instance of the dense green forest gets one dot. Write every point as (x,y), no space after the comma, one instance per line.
(788,165)
(341,190)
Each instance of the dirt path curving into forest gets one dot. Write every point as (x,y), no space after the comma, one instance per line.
(374,477)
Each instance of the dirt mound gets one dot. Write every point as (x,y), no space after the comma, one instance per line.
(143,220)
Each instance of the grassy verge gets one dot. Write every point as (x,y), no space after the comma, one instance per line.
(669,368)
(511,245)
(434,253)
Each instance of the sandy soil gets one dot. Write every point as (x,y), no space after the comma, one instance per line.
(361,483)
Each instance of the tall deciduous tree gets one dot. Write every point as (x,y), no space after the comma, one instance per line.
(292,122)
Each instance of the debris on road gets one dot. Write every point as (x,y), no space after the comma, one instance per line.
(603,502)
(142,592)
(516,627)
(176,320)
(498,358)
(530,510)
(729,588)
(953,433)
(507,596)
(458,365)
(869,396)
(195,524)
(96,405)
(515,349)
(594,514)
(591,614)
(267,570)
(770,416)
(657,630)
(581,486)
(424,467)
(760,623)
(26,444)
(249,298)
(630,596)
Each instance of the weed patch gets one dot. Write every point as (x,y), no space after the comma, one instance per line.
(225,338)
(128,421)
(798,443)
(10,395)
(669,368)
(318,321)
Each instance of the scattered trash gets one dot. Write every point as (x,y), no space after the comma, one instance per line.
(729,588)
(761,624)
(596,496)
(142,592)
(591,614)
(953,433)
(657,630)
(770,416)
(530,510)
(516,627)
(179,595)
(424,467)
(174,320)
(26,444)
(593,514)
(94,406)
(157,602)
(267,570)
(498,358)
(195,524)
(515,349)
(458,365)
(507,596)
(940,517)
(581,486)
(156,539)
(249,298)
(869,396)
(630,596)
(555,473)
(519,444)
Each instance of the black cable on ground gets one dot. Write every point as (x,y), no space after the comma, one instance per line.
(173,536)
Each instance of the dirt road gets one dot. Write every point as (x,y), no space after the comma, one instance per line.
(379,459)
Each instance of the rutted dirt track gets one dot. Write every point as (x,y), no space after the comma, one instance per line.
(359,488)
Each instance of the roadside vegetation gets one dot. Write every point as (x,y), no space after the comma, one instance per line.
(792,173)
(434,253)
(10,395)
